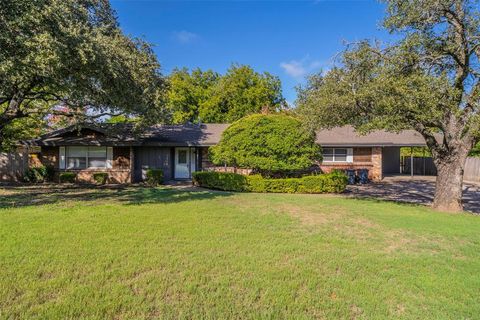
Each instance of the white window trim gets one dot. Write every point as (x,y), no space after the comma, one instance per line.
(108,160)
(62,163)
(109,157)
(349,155)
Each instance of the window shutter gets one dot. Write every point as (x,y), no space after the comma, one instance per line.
(109,157)
(61,160)
(349,154)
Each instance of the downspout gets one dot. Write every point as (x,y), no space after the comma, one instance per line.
(132,165)
(411,162)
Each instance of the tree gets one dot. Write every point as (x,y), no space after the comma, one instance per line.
(210,97)
(475,152)
(72,53)
(240,92)
(429,81)
(188,91)
(269,144)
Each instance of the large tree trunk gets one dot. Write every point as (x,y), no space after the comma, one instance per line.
(449,185)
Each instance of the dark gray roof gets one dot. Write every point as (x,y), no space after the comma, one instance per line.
(208,135)
(183,135)
(127,135)
(347,136)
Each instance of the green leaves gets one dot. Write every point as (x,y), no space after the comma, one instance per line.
(210,97)
(73,53)
(267,143)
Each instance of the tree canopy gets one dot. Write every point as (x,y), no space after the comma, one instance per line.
(273,143)
(70,58)
(209,97)
(429,80)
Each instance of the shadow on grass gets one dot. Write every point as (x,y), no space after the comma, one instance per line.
(416,192)
(21,195)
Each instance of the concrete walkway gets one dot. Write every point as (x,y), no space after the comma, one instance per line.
(418,190)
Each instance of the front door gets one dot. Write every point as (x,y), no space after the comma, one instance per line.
(182,163)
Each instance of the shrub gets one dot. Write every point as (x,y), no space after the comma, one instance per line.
(39,174)
(100,177)
(154,177)
(220,180)
(65,177)
(325,183)
(50,173)
(269,144)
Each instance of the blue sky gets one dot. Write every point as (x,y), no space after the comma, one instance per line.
(289,39)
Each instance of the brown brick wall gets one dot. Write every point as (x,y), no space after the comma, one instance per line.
(120,172)
(363,158)
(49,156)
(121,158)
(362,154)
(114,176)
(377,170)
(207,165)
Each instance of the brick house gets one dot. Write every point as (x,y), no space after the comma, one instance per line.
(180,150)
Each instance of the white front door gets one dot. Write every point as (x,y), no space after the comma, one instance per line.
(182,163)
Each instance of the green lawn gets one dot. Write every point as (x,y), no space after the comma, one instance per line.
(139,253)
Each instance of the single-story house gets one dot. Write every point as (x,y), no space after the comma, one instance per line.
(180,150)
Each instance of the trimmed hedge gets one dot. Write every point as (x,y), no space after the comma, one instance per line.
(100,177)
(154,177)
(65,177)
(220,180)
(334,182)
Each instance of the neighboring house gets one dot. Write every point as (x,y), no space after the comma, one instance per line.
(180,150)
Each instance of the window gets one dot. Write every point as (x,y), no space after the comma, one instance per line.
(337,155)
(86,157)
(182,156)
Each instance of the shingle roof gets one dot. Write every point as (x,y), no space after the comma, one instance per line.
(347,136)
(210,134)
(125,135)
(183,135)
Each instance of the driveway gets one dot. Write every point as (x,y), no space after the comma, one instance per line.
(418,190)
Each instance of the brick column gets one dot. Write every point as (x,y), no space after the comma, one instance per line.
(377,170)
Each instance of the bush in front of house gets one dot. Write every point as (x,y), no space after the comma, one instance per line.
(39,174)
(334,182)
(272,145)
(67,177)
(100,177)
(225,181)
(154,177)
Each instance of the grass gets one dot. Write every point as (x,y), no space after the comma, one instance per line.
(159,253)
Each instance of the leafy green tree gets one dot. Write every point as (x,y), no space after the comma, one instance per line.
(429,81)
(188,91)
(73,53)
(210,97)
(240,92)
(269,144)
(22,129)
(475,152)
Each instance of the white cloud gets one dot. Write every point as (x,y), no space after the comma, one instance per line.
(185,37)
(300,68)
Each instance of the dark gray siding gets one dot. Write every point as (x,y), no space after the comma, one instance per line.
(391,160)
(154,158)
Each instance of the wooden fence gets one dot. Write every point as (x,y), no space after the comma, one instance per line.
(13,166)
(472,170)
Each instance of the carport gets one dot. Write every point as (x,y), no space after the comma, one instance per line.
(393,163)
(377,151)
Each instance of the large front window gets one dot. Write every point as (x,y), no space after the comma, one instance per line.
(335,154)
(86,157)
